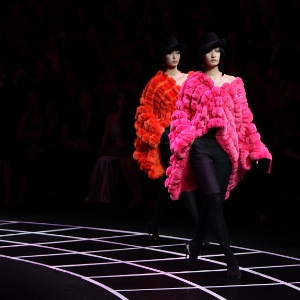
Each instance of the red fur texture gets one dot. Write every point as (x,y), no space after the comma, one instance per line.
(202,106)
(153,115)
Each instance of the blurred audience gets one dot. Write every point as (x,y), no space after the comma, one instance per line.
(80,139)
(61,48)
(115,160)
(48,159)
(26,147)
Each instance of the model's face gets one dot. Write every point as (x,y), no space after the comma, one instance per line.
(212,58)
(172,59)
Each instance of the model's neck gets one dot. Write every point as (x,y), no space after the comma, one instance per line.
(214,73)
(173,72)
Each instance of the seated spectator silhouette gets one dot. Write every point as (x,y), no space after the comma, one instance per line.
(80,143)
(26,148)
(49,160)
(43,78)
(115,162)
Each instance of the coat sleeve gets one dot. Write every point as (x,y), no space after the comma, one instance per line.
(150,122)
(152,117)
(182,132)
(250,143)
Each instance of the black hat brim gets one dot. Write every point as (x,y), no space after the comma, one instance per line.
(180,47)
(211,45)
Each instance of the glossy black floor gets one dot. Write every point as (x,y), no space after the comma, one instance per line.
(104,252)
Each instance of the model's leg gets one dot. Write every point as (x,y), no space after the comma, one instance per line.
(207,183)
(191,206)
(131,173)
(162,203)
(212,168)
(195,245)
(216,219)
(212,214)
(163,199)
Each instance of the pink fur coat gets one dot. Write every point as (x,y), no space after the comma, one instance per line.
(201,106)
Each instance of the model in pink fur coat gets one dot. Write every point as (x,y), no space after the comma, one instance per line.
(213,141)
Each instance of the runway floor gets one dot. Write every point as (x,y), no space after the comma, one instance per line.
(105,253)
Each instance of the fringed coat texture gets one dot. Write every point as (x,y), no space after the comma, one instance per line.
(152,117)
(201,106)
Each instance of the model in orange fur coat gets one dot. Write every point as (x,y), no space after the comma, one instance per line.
(153,116)
(152,121)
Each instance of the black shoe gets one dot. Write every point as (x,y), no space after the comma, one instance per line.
(233,270)
(191,255)
(153,232)
(234,275)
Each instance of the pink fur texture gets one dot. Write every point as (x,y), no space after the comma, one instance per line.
(225,108)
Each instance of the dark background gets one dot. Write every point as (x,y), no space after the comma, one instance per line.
(104,45)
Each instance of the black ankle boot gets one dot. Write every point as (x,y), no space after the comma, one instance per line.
(192,254)
(234,275)
(153,232)
(233,270)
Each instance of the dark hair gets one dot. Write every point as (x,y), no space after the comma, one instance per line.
(222,59)
(175,48)
(221,63)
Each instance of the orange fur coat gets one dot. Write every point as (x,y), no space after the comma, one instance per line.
(153,115)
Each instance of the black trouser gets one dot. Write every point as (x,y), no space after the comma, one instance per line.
(163,199)
(211,165)
(212,168)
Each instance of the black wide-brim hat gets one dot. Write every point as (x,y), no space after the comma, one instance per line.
(170,44)
(210,41)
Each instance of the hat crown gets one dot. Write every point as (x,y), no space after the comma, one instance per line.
(170,43)
(209,41)
(208,38)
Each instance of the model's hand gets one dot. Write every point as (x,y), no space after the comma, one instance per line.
(261,165)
